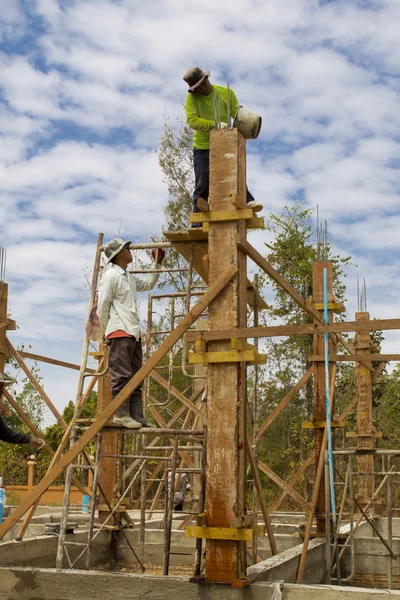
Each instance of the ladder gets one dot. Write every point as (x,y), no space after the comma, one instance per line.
(63,543)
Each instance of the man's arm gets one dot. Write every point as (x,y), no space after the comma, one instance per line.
(146,284)
(12,437)
(149,281)
(106,295)
(192,118)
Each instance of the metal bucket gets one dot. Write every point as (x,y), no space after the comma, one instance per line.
(248,123)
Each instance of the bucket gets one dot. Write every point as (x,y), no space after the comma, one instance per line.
(248,123)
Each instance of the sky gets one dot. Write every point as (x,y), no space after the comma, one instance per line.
(85,87)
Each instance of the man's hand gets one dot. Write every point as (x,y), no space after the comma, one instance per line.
(37,443)
(158,254)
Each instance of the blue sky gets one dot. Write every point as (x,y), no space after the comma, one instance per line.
(85,85)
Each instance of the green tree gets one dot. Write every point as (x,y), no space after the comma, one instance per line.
(13,457)
(54,433)
(291,252)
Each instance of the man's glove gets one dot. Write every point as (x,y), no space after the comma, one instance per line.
(158,254)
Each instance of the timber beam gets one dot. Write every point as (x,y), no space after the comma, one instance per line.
(284,330)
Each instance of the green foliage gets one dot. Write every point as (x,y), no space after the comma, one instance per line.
(176,161)
(292,252)
(54,433)
(13,457)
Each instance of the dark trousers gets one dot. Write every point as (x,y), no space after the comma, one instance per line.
(201,163)
(124,361)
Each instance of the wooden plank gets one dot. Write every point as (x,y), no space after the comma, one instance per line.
(109,411)
(285,401)
(219,533)
(202,205)
(282,484)
(11,325)
(322,424)
(221,215)
(193,234)
(223,356)
(306,329)
(355,358)
(261,499)
(256,223)
(53,361)
(335,306)
(365,428)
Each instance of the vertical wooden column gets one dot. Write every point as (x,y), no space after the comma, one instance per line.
(226,382)
(198,384)
(109,444)
(3,320)
(319,379)
(365,429)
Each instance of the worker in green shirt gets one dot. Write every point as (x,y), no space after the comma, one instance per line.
(200,116)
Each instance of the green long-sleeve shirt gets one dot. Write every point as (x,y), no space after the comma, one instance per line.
(200,113)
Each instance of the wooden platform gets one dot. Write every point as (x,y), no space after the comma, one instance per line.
(183,240)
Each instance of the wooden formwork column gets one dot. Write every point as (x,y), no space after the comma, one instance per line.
(109,443)
(226,382)
(365,429)
(319,379)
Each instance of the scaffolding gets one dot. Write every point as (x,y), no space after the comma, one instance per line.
(215,429)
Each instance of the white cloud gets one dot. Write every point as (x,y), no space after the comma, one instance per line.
(82,112)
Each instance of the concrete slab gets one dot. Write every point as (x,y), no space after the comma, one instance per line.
(284,566)
(48,584)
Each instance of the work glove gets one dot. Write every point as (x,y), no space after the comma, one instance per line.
(158,254)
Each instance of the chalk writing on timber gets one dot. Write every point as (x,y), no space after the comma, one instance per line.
(217,468)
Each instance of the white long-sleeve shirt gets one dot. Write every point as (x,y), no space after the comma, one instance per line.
(118,306)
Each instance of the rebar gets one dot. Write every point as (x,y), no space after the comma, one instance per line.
(229,107)
(3,260)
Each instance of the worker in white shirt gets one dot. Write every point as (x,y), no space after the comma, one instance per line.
(118,311)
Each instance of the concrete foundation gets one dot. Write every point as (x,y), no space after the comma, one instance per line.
(370,556)
(48,584)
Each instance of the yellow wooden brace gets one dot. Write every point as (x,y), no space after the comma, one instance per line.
(222,215)
(256,223)
(224,533)
(321,424)
(335,306)
(227,356)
